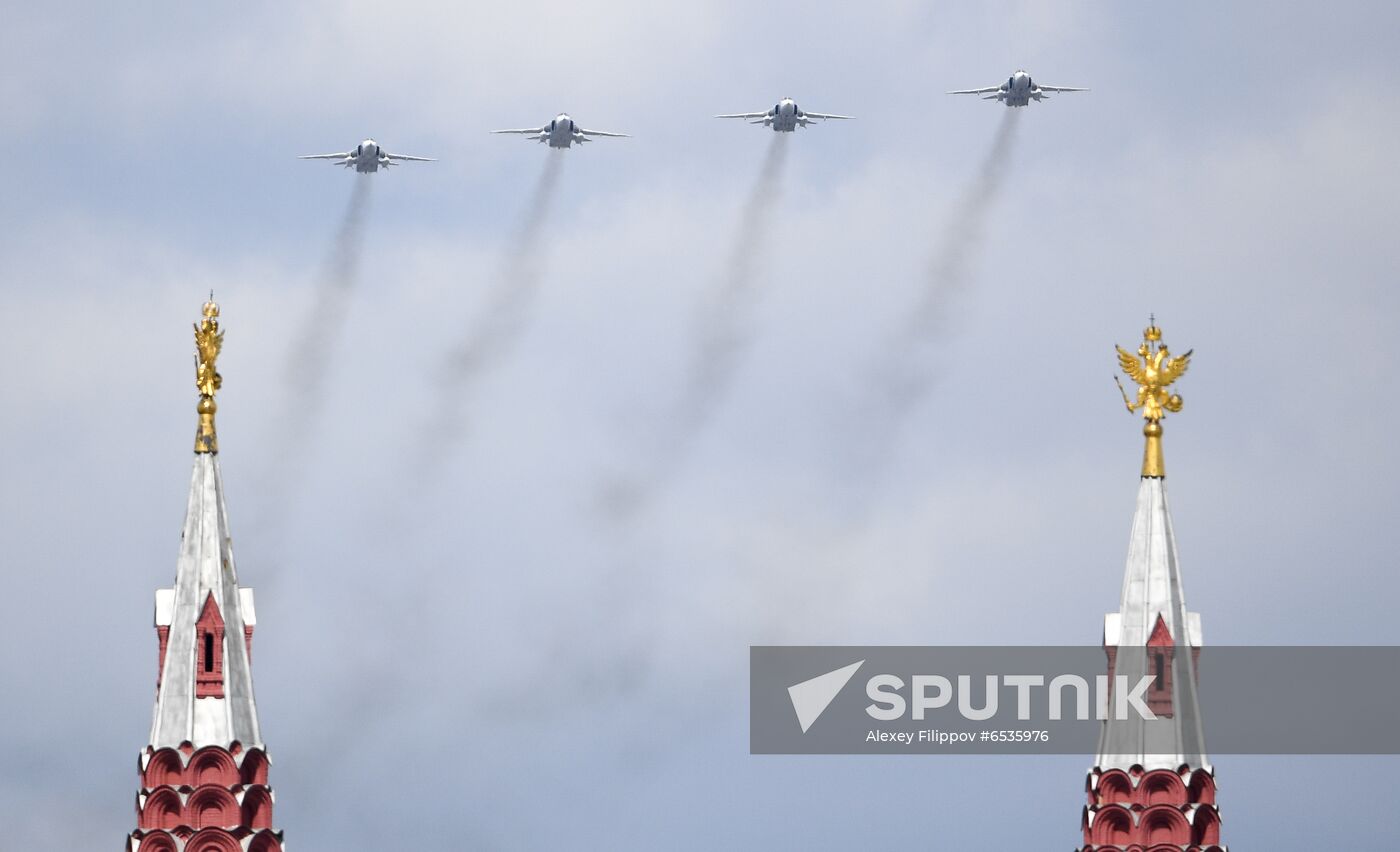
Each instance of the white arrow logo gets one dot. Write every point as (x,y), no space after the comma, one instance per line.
(810,698)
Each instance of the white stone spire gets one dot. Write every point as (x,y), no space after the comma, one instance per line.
(1152,785)
(205,698)
(205,624)
(1153,634)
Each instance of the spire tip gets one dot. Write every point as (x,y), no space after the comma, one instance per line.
(208,341)
(1154,370)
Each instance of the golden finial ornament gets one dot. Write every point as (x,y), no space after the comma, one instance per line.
(208,340)
(1154,369)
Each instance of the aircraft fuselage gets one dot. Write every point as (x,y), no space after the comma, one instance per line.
(785,117)
(563,132)
(366,157)
(1019,90)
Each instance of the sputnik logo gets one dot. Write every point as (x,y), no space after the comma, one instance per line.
(810,698)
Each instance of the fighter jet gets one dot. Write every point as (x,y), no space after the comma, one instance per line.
(562,132)
(366,158)
(784,117)
(1018,90)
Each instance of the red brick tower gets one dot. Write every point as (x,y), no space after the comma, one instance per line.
(1152,788)
(204,771)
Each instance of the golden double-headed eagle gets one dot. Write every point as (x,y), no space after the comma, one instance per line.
(208,340)
(1154,369)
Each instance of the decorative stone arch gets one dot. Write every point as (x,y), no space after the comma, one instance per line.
(163,809)
(265,841)
(1161,787)
(1202,787)
(165,767)
(212,765)
(1113,826)
(257,807)
(254,768)
(1115,787)
(1164,824)
(1205,828)
(212,807)
(157,841)
(212,840)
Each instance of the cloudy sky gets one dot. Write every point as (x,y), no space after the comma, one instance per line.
(463,642)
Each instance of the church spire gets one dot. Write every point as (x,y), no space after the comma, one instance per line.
(1152,785)
(204,769)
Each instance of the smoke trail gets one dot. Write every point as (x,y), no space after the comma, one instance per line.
(904,375)
(308,362)
(507,310)
(722,337)
(378,696)
(312,348)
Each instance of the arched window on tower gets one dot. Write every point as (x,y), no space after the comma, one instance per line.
(209,650)
(1161,653)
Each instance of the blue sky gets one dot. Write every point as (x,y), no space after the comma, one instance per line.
(479,659)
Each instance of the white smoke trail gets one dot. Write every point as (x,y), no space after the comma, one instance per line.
(379,697)
(723,334)
(306,375)
(904,375)
(379,700)
(722,339)
(506,313)
(308,366)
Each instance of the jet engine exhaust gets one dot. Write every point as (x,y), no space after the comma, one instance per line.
(906,373)
(507,311)
(307,373)
(722,338)
(308,362)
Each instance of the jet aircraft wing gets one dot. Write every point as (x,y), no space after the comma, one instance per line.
(415,159)
(985,91)
(603,133)
(528,130)
(325,156)
(1058,88)
(825,115)
(763,114)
